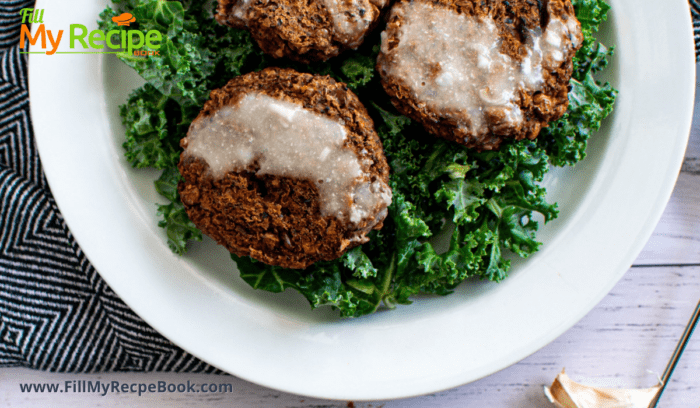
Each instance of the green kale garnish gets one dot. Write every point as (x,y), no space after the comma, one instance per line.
(152,129)
(178,227)
(455,212)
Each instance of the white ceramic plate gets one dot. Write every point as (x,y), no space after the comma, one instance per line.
(610,204)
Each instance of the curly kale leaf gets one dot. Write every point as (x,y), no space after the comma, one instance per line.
(463,197)
(153,131)
(358,262)
(323,284)
(178,227)
(589,103)
(591,13)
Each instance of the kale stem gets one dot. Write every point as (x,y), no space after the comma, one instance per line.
(495,208)
(384,290)
(386,282)
(437,153)
(591,61)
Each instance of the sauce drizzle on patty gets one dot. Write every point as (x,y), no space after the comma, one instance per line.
(284,139)
(351,18)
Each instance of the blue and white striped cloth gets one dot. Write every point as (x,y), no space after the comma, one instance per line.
(695,11)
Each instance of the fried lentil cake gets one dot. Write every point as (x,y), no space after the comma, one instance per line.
(303,30)
(479,71)
(284,167)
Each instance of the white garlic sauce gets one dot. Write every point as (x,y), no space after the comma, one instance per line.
(240,9)
(453,62)
(288,140)
(351,18)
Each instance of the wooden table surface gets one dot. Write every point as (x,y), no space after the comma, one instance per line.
(624,342)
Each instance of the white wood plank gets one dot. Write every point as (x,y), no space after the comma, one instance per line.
(676,239)
(694,143)
(624,342)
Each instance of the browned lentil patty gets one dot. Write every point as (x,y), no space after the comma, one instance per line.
(277,219)
(515,21)
(302,30)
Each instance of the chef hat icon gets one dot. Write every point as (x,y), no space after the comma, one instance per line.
(124,19)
